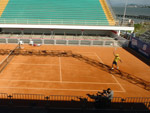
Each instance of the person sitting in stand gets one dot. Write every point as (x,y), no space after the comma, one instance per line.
(110,95)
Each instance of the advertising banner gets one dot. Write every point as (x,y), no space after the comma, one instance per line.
(140,46)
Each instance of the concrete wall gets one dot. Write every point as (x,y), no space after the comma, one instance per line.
(62,42)
(59,32)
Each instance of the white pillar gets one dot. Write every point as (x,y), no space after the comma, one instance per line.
(82,32)
(54,42)
(67,41)
(91,42)
(52,32)
(118,33)
(6,40)
(42,41)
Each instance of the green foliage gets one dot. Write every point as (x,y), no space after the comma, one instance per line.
(137,27)
(141,28)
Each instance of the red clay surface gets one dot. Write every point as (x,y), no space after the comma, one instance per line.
(5,46)
(69,76)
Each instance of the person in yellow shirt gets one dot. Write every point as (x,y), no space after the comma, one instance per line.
(115,61)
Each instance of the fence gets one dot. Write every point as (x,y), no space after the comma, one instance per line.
(123,42)
(27,100)
(61,22)
(61,42)
(39,97)
(52,21)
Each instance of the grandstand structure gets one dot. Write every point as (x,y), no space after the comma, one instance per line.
(89,19)
(70,72)
(145,37)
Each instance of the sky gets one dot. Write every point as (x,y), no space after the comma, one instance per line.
(142,2)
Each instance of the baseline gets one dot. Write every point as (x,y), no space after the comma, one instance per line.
(32,64)
(65,82)
(27,88)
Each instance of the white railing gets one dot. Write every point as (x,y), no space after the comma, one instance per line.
(76,42)
(53,21)
(61,22)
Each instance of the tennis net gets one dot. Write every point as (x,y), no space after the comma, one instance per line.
(6,61)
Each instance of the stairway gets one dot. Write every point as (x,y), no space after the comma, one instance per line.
(107,12)
(3,4)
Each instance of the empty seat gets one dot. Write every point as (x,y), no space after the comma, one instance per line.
(70,12)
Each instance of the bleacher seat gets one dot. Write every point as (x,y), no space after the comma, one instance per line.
(76,12)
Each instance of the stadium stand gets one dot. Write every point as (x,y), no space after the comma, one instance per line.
(3,4)
(145,37)
(68,12)
(107,12)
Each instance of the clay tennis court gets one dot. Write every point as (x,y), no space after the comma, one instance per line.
(69,76)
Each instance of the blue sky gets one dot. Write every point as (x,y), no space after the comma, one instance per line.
(143,2)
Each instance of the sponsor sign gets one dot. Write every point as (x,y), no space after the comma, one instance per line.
(140,46)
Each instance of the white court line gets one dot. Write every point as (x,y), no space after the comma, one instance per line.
(60,69)
(112,74)
(50,89)
(65,82)
(119,83)
(33,64)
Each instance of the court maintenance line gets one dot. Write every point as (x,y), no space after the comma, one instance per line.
(112,75)
(60,69)
(34,64)
(65,82)
(85,52)
(54,89)
(75,64)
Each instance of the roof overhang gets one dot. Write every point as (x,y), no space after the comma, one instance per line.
(71,27)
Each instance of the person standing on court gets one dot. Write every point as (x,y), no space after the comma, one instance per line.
(115,61)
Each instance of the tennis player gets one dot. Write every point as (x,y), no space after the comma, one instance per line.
(115,61)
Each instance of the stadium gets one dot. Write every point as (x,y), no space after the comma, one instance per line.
(56,56)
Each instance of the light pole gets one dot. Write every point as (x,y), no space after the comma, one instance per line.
(125,11)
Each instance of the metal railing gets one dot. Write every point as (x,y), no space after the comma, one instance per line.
(77,42)
(53,21)
(39,97)
(61,22)
(132,101)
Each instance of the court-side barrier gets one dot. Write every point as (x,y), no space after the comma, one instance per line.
(140,46)
(62,42)
(123,42)
(39,99)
